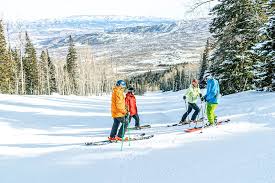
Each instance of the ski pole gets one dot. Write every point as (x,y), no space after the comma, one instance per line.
(128,129)
(123,130)
(202,116)
(203,124)
(198,116)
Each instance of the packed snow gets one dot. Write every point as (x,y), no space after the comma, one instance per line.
(42,141)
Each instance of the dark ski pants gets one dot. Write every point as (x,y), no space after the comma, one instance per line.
(190,107)
(115,126)
(136,117)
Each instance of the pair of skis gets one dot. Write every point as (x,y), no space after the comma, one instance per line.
(185,123)
(141,127)
(194,129)
(142,136)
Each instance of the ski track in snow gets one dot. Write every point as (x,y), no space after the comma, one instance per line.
(42,140)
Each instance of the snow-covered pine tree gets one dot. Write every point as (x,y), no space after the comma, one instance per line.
(235,30)
(265,51)
(72,66)
(30,67)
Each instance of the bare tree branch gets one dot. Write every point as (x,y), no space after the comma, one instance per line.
(196,5)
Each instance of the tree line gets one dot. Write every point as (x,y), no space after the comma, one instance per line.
(23,72)
(176,78)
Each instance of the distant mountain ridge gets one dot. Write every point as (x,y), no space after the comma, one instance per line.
(132,42)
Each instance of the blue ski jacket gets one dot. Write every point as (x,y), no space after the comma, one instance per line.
(213,91)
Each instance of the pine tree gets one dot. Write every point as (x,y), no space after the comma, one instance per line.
(18,82)
(47,80)
(30,67)
(72,67)
(12,70)
(204,64)
(265,51)
(52,77)
(43,73)
(6,65)
(235,31)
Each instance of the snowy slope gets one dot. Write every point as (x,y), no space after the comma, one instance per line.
(41,141)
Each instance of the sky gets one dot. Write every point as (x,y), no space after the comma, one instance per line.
(36,9)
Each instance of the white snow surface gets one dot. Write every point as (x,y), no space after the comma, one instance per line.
(42,141)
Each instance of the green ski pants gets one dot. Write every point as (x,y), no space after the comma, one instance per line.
(210,111)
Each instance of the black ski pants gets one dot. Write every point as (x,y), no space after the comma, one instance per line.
(115,126)
(136,117)
(190,107)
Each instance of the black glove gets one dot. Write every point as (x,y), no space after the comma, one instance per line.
(184,97)
(200,95)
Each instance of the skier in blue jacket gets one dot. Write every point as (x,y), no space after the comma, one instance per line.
(212,98)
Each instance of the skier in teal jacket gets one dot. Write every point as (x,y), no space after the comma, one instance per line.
(212,98)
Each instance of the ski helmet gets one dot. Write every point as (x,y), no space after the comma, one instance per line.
(208,76)
(121,83)
(131,89)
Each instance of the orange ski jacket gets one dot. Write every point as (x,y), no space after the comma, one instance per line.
(118,102)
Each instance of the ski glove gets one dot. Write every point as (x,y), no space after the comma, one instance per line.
(184,97)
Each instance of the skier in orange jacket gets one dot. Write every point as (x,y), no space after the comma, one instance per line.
(119,111)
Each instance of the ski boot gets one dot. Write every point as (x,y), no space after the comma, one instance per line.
(120,139)
(112,139)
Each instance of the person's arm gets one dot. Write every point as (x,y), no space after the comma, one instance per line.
(186,93)
(208,86)
(127,103)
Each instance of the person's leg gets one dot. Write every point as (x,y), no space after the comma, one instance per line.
(130,118)
(136,117)
(197,110)
(211,112)
(114,128)
(186,113)
(123,127)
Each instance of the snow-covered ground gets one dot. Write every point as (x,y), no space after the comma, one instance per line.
(42,141)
